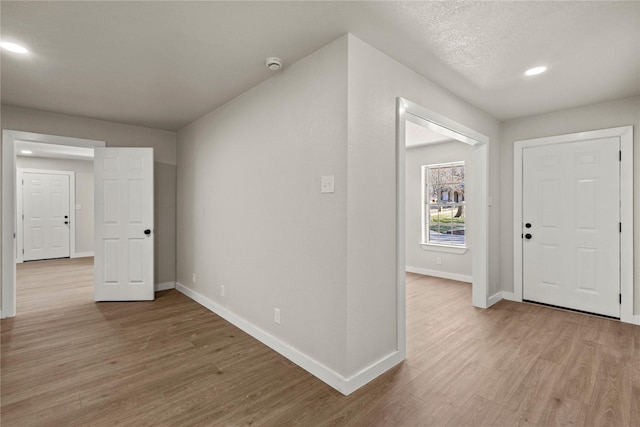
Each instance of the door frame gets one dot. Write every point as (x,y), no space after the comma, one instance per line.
(20,206)
(625,135)
(478,208)
(9,220)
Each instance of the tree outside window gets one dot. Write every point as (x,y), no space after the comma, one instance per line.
(444,204)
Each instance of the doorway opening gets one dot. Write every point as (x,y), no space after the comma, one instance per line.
(48,154)
(438,129)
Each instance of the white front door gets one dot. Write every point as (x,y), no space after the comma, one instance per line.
(45,208)
(571,220)
(123,268)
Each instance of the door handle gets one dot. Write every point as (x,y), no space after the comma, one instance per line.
(66,222)
(528,236)
(528,225)
(147,231)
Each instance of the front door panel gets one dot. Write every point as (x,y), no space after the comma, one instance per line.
(571,215)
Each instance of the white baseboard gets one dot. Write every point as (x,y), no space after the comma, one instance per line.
(339,382)
(510,296)
(82,254)
(371,372)
(1,314)
(164,286)
(494,299)
(636,319)
(442,274)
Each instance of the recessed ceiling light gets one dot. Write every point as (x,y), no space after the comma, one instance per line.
(13,47)
(535,70)
(26,151)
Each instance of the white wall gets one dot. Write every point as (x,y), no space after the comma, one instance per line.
(591,117)
(119,135)
(375,80)
(84,193)
(251,216)
(250,213)
(417,257)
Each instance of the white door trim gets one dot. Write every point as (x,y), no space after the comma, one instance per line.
(478,209)
(19,207)
(9,138)
(625,133)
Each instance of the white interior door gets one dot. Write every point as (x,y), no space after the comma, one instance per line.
(45,209)
(571,220)
(124,224)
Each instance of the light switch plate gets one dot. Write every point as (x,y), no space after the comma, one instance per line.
(327,184)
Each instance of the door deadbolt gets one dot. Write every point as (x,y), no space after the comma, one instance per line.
(528,225)
(528,236)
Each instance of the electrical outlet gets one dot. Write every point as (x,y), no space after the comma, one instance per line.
(276,315)
(222,291)
(438,260)
(193,279)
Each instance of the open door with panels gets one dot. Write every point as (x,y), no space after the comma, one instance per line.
(124,235)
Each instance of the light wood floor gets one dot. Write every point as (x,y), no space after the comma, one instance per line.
(67,361)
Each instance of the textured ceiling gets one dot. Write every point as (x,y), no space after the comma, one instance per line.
(164,64)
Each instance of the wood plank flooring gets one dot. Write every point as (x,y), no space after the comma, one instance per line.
(67,361)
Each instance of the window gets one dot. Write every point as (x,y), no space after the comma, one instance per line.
(443,214)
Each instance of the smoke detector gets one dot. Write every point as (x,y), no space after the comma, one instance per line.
(273,63)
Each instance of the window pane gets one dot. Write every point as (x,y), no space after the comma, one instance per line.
(433,221)
(458,174)
(458,192)
(446,175)
(458,225)
(433,176)
(444,199)
(437,230)
(449,223)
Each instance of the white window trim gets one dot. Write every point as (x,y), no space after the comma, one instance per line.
(438,247)
(452,249)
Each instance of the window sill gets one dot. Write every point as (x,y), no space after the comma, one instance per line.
(444,248)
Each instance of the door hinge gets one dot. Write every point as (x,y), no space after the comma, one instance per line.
(620,224)
(620,155)
(620,298)
(23,182)
(23,252)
